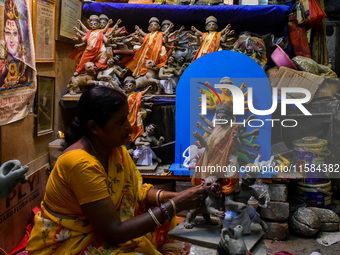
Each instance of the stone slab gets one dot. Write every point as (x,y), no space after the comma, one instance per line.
(209,235)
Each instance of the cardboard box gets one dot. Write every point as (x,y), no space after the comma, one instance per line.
(16,209)
(287,77)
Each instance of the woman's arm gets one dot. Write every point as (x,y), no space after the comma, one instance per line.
(103,215)
(162,195)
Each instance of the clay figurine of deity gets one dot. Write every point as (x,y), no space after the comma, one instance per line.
(212,203)
(209,41)
(169,76)
(232,242)
(239,211)
(170,37)
(150,78)
(143,155)
(192,154)
(83,80)
(108,76)
(152,48)
(222,147)
(93,43)
(136,101)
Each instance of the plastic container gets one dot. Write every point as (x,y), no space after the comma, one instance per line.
(311,156)
(280,58)
(55,149)
(316,195)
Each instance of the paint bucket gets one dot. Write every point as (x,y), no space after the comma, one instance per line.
(311,158)
(316,195)
(280,58)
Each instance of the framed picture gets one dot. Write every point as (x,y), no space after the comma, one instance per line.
(70,13)
(44,30)
(228,2)
(44,105)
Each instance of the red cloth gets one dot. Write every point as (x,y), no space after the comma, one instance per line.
(91,52)
(298,37)
(316,14)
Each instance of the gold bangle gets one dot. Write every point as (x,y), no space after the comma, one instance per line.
(157,197)
(153,216)
(173,205)
(161,196)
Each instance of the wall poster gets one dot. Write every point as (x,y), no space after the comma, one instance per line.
(17,61)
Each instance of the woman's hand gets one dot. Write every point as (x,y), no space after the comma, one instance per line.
(190,198)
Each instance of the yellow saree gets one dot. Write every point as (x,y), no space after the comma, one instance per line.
(74,235)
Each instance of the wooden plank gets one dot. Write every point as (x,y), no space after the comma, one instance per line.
(148,169)
(209,235)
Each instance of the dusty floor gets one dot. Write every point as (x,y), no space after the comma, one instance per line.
(295,245)
(300,246)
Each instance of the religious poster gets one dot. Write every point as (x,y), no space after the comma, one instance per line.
(17,62)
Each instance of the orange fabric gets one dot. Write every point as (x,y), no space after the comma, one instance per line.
(210,43)
(218,153)
(77,54)
(137,128)
(66,184)
(94,51)
(150,49)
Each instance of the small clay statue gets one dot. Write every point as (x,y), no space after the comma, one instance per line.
(136,101)
(108,76)
(86,79)
(150,78)
(194,152)
(263,165)
(224,113)
(143,154)
(210,41)
(232,242)
(170,38)
(169,76)
(152,48)
(212,203)
(222,148)
(11,173)
(239,211)
(94,42)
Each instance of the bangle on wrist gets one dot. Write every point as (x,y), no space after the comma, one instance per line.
(161,196)
(157,198)
(165,213)
(173,206)
(153,216)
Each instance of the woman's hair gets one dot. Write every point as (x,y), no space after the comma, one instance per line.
(97,104)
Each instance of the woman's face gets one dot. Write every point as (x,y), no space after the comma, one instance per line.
(116,131)
(12,37)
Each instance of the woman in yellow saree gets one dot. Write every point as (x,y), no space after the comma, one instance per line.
(95,201)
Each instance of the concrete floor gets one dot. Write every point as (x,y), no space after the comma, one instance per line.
(295,245)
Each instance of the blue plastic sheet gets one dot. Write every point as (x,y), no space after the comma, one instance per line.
(261,19)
